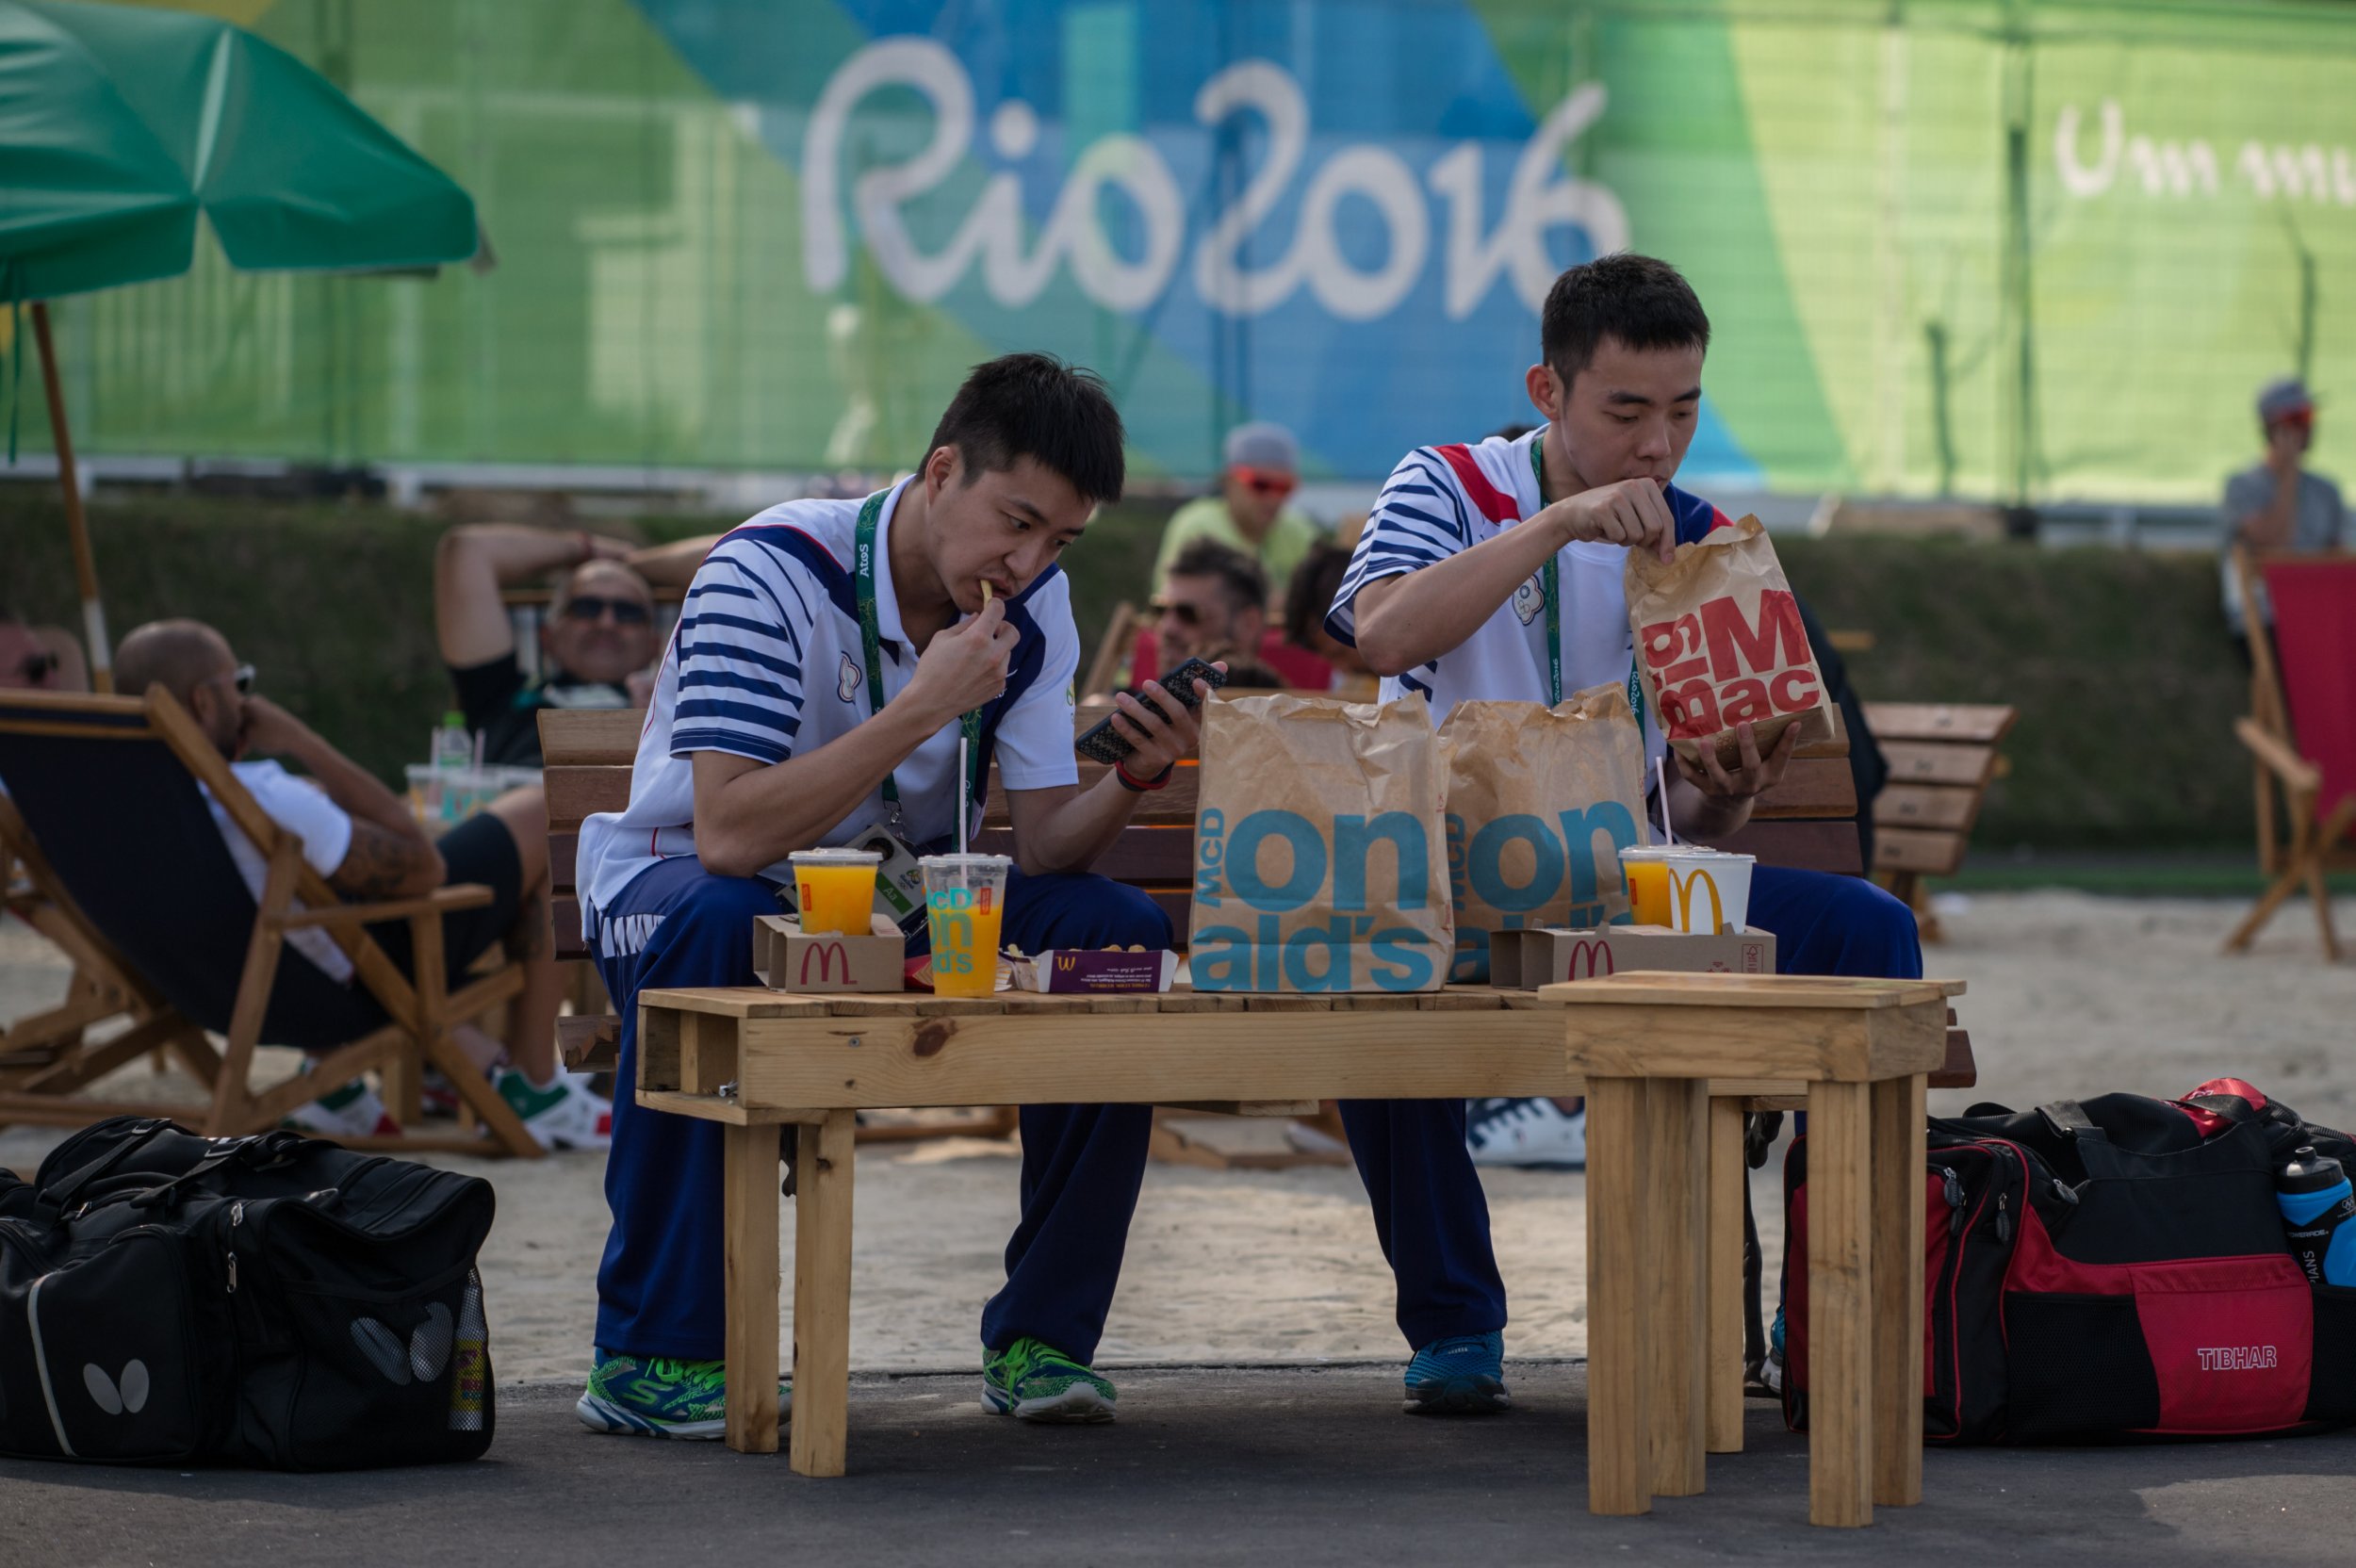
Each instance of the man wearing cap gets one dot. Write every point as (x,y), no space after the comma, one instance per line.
(2276,504)
(1262,467)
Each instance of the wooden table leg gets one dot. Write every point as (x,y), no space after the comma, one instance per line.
(1840,1302)
(748,1174)
(1722,1377)
(821,1297)
(1677,1151)
(1899,1180)
(1618,1467)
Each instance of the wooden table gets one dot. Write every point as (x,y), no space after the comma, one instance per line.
(756,1059)
(1648,1046)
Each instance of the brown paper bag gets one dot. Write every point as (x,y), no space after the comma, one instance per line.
(1319,864)
(1719,637)
(1540,802)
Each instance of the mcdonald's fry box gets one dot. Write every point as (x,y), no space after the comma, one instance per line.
(1524,960)
(1096,969)
(789,959)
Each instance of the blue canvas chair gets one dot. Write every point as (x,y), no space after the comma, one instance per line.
(109,795)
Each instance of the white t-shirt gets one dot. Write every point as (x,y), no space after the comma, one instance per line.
(302,809)
(1442,500)
(766,663)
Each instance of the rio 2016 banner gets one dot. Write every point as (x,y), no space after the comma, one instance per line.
(2027,250)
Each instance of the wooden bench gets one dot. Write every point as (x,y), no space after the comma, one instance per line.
(1942,757)
(755,1060)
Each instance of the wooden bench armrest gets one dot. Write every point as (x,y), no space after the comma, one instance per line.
(441,901)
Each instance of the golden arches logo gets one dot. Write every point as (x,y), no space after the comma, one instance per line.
(1681,890)
(1066,964)
(826,952)
(1593,957)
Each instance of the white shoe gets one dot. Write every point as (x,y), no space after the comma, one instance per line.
(1528,1133)
(564,1115)
(354,1111)
(1305,1138)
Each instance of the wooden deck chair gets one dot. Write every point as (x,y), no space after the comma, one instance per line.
(41,1051)
(2301,729)
(110,794)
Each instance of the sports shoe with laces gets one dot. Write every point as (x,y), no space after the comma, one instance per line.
(1464,1375)
(658,1396)
(1032,1381)
(564,1115)
(1532,1133)
(353,1111)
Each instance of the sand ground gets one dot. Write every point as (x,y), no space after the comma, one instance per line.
(2071,995)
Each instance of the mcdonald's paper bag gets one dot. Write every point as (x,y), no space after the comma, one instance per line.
(1540,802)
(1719,638)
(1318,861)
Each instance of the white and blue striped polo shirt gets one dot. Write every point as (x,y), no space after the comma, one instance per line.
(766,663)
(1441,501)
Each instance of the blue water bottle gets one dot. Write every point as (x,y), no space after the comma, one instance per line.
(2318,1215)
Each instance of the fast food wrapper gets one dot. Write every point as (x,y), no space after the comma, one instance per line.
(1720,642)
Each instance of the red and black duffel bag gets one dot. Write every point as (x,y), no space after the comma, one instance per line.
(2110,1268)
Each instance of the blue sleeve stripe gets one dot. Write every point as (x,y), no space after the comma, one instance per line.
(738,713)
(705,587)
(703,650)
(702,679)
(768,630)
(685,742)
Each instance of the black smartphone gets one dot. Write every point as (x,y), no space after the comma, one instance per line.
(1100,742)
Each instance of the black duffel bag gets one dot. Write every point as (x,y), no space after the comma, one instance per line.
(273,1301)
(2108,1269)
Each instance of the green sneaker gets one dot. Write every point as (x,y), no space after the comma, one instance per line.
(663,1397)
(1032,1381)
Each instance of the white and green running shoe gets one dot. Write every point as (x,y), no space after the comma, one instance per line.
(663,1397)
(562,1115)
(1032,1381)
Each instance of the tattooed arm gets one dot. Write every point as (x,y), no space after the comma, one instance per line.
(390,855)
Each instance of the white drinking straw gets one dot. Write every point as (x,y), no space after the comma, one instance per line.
(1667,833)
(962,803)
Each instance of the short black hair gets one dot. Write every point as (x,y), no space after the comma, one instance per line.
(1241,579)
(1642,300)
(1310,594)
(1035,407)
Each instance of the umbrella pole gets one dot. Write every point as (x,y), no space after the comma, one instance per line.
(101,672)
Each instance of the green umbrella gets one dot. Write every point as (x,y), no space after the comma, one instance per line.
(122,124)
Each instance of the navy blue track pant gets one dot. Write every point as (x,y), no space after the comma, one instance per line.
(1429,1210)
(658,1288)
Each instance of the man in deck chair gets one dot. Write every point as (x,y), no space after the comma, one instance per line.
(827,658)
(361,838)
(1448,595)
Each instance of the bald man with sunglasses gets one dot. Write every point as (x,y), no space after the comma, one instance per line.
(1262,471)
(597,645)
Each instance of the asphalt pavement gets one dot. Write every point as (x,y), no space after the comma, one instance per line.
(1292,1465)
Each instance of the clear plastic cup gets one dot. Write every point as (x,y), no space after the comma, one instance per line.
(835,890)
(965,904)
(1648,877)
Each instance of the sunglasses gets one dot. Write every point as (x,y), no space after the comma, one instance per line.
(588,607)
(1184,614)
(241,677)
(1262,482)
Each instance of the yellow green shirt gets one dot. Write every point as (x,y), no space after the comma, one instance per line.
(1288,540)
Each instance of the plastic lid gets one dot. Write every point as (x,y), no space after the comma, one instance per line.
(836,856)
(967,862)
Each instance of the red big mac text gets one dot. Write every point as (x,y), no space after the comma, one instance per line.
(1713,669)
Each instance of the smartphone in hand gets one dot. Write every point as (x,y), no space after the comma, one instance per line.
(1100,742)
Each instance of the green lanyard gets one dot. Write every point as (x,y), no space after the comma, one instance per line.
(871,643)
(1550,583)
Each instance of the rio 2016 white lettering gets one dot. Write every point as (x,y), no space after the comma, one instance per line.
(1539,198)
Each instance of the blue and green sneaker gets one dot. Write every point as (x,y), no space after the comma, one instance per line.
(1459,1377)
(662,1398)
(1032,1381)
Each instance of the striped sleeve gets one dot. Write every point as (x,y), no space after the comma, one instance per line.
(1419,517)
(741,637)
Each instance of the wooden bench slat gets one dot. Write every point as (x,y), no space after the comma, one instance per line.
(565,921)
(564,851)
(579,790)
(1825,846)
(1936,762)
(573,736)
(1926,851)
(1173,803)
(1982,724)
(1926,805)
(1810,787)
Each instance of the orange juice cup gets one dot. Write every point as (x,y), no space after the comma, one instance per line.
(965,905)
(836,890)
(1647,882)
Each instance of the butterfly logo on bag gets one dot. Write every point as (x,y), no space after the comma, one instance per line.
(122,1395)
(422,1359)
